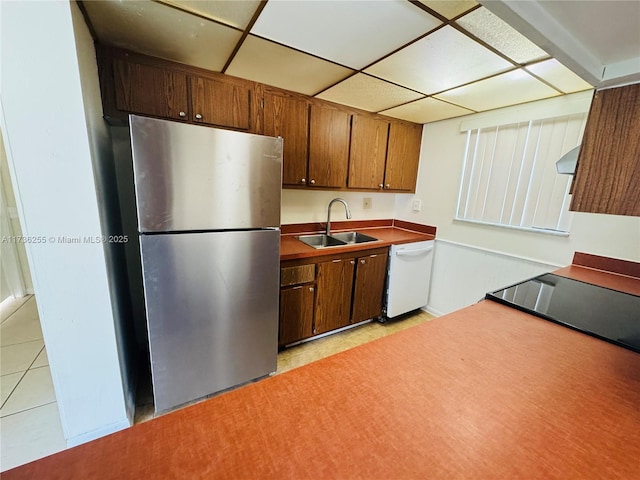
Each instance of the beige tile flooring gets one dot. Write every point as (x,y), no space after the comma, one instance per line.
(30,425)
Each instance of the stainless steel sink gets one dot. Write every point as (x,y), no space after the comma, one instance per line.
(353,237)
(322,240)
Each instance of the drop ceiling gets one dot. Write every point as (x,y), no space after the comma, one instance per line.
(421,61)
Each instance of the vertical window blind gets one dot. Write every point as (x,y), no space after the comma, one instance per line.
(509,176)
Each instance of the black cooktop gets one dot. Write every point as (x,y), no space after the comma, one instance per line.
(601,312)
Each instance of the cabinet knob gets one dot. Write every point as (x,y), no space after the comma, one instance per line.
(198,116)
(182,114)
(381,185)
(311,289)
(352,262)
(303,180)
(387,186)
(362,261)
(312,182)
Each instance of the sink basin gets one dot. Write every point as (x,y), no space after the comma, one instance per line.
(353,237)
(321,241)
(336,240)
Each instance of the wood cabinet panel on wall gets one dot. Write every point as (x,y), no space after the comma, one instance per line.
(333,300)
(329,131)
(296,313)
(608,173)
(368,152)
(368,290)
(287,116)
(220,103)
(150,90)
(403,155)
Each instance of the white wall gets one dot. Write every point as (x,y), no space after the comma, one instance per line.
(442,153)
(302,206)
(50,159)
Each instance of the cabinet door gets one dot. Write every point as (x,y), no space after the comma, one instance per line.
(368,293)
(328,147)
(608,174)
(221,103)
(150,90)
(296,313)
(333,299)
(368,152)
(403,155)
(288,117)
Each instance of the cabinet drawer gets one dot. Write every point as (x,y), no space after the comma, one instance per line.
(297,275)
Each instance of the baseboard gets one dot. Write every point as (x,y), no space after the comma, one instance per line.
(94,434)
(432,311)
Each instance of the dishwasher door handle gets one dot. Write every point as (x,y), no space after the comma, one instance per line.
(411,253)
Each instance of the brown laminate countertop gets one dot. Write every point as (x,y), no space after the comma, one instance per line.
(392,234)
(486,392)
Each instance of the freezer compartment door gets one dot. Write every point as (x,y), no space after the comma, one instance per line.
(409,277)
(189,177)
(212,311)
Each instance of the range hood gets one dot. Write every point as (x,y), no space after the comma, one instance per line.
(567,163)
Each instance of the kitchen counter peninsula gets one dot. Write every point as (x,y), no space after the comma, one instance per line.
(485,392)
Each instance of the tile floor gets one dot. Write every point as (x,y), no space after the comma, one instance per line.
(30,425)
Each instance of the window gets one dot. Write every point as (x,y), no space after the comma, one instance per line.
(509,176)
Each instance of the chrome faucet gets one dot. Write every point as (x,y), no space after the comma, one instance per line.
(346,207)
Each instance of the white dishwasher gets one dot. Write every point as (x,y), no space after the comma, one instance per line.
(408,277)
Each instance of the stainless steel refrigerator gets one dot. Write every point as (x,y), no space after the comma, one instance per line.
(208,207)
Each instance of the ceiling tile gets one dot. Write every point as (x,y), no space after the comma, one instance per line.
(449,8)
(442,60)
(231,12)
(267,62)
(368,93)
(509,88)
(352,33)
(492,30)
(559,76)
(162,31)
(426,110)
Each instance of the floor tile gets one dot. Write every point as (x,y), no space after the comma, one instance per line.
(10,306)
(19,357)
(42,360)
(34,390)
(29,435)
(23,326)
(7,384)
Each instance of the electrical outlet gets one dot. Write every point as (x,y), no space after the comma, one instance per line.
(417,205)
(366,202)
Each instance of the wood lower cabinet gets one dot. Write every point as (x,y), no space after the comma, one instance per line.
(333,301)
(296,313)
(608,173)
(329,131)
(368,288)
(287,116)
(326,293)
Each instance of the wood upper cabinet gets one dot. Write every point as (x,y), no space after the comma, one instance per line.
(368,289)
(368,152)
(150,90)
(220,103)
(287,116)
(403,155)
(329,131)
(608,174)
(333,300)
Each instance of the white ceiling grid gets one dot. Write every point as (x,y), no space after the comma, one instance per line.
(419,61)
